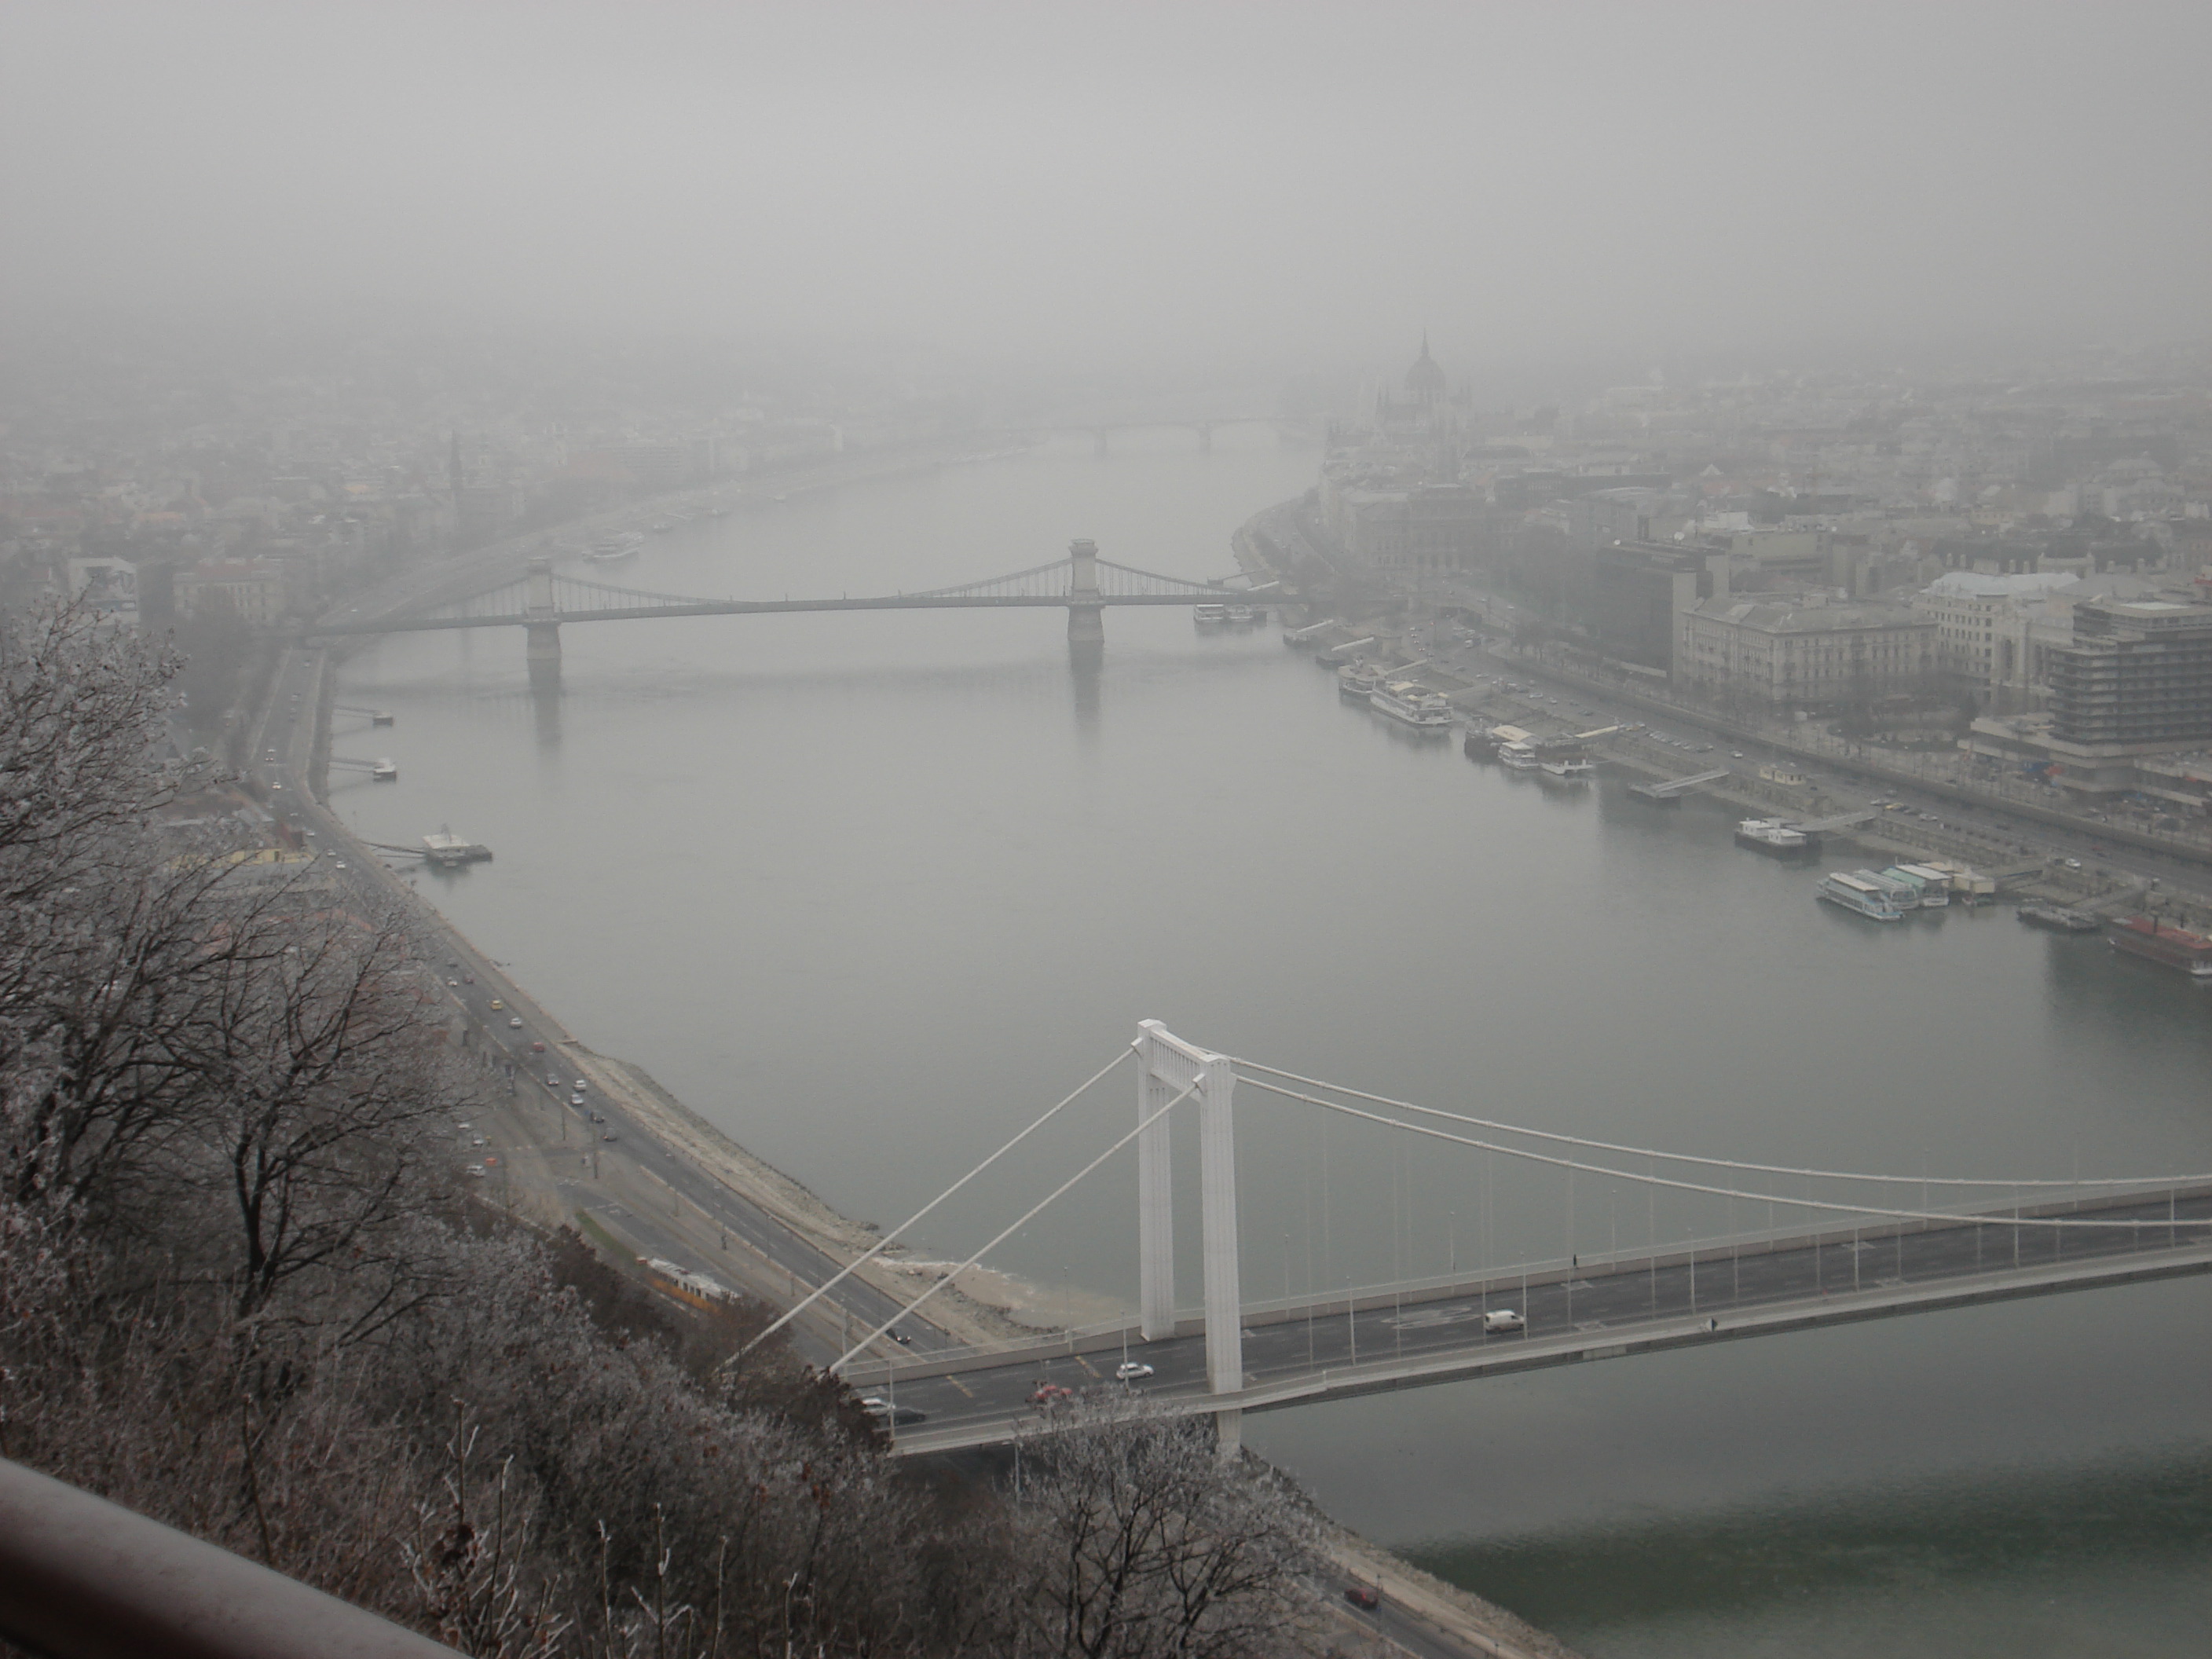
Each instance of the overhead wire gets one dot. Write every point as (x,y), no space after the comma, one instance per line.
(886,1241)
(1711,1163)
(1651,1181)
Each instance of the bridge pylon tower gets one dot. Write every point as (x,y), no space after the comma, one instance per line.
(543,628)
(1086,622)
(1167,1066)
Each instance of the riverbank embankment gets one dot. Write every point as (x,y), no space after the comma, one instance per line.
(676,1187)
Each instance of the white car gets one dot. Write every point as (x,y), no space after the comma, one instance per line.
(578,1085)
(1132,1371)
(515,1021)
(1503,1319)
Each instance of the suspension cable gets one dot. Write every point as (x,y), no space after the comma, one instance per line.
(1029,1216)
(1691,1157)
(884,1242)
(1949,1216)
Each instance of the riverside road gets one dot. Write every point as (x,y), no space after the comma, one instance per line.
(580,1159)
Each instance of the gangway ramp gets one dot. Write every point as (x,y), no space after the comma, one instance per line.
(1673,789)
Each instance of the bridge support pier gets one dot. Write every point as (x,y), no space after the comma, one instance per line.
(1086,620)
(1166,1065)
(543,650)
(1229,1433)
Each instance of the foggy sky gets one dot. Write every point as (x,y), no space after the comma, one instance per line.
(1078,185)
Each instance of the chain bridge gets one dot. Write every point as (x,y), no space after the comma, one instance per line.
(1825,1246)
(542,600)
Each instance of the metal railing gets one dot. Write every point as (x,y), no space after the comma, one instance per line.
(83,1578)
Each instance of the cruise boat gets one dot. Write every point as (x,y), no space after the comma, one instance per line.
(1935,885)
(1567,769)
(1520,756)
(1904,894)
(1773,836)
(2170,947)
(1414,704)
(1486,739)
(614,548)
(1859,893)
(1244,614)
(1931,889)
(1209,615)
(1359,679)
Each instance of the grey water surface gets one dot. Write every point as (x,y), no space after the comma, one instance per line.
(872,891)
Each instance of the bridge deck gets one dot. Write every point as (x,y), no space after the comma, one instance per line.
(416,624)
(1329,1349)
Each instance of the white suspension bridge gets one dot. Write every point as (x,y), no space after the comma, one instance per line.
(1822,1247)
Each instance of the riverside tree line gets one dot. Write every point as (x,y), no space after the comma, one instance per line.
(245,1289)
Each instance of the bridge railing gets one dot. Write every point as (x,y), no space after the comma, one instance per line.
(1514,1278)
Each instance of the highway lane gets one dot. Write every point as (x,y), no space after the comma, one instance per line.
(1601,1299)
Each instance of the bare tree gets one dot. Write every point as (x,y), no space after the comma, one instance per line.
(1147,1543)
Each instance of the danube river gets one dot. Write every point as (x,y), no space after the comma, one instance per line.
(871,890)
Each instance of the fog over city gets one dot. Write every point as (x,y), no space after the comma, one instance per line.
(1214,830)
(1074,185)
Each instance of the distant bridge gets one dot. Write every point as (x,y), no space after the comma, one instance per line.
(1203,426)
(1082,584)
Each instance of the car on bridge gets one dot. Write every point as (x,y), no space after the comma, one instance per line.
(1050,1394)
(1503,1319)
(897,1416)
(1132,1371)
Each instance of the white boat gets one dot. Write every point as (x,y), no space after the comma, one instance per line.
(1520,756)
(1414,704)
(1773,835)
(1242,614)
(1572,769)
(1208,615)
(1859,894)
(614,548)
(385,771)
(1359,678)
(1934,885)
(1903,894)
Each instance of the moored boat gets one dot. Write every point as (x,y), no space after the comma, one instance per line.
(1209,616)
(1857,892)
(1413,704)
(1932,887)
(2170,947)
(1566,770)
(1774,838)
(2059,919)
(611,548)
(1359,679)
(1520,756)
